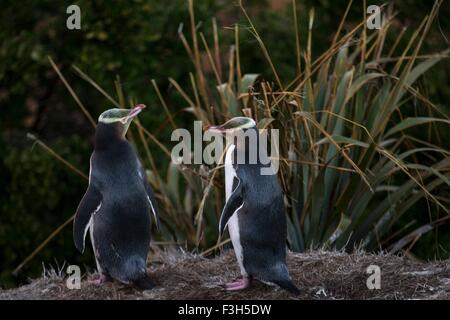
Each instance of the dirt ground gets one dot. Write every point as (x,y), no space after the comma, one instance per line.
(319,275)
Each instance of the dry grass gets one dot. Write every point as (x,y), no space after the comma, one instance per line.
(319,274)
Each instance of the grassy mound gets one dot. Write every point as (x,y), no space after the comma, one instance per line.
(319,274)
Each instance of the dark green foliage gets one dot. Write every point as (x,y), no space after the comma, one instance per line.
(38,195)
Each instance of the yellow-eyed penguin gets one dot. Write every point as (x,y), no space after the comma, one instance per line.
(117,205)
(254,211)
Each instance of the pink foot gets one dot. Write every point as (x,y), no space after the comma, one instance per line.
(242,283)
(235,283)
(101,278)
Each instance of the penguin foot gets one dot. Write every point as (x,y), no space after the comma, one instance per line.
(101,279)
(242,283)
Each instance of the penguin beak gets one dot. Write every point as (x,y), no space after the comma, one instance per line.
(135,111)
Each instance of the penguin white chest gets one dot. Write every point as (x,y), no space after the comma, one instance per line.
(233,222)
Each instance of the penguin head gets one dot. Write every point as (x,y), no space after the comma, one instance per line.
(234,124)
(113,125)
(117,121)
(234,128)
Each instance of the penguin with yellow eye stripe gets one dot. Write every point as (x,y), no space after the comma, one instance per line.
(254,211)
(118,204)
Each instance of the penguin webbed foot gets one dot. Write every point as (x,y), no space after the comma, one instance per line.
(100,279)
(240,284)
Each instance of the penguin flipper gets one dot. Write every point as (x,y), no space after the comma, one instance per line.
(153,205)
(150,195)
(90,203)
(234,203)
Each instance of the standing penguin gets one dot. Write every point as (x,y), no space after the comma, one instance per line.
(117,204)
(254,211)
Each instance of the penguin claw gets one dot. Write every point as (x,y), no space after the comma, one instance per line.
(242,283)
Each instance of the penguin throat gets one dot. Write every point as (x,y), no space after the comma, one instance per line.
(107,134)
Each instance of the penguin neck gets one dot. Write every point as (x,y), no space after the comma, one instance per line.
(108,135)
